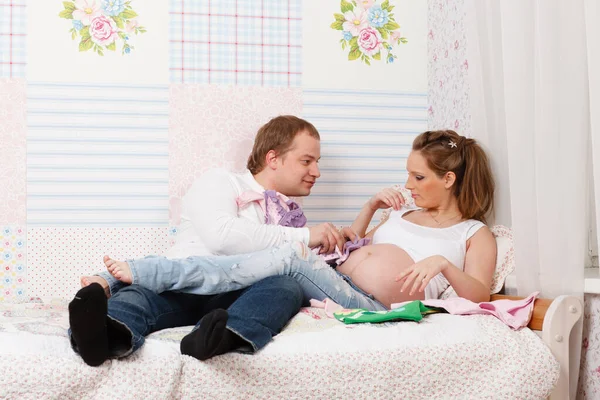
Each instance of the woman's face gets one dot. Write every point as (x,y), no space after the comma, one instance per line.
(428,190)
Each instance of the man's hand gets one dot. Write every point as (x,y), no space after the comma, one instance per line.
(326,236)
(348,233)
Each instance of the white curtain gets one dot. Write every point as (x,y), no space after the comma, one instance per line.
(530,103)
(592,24)
(534,104)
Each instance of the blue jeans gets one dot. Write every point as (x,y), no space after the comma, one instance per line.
(218,274)
(256,314)
(113,283)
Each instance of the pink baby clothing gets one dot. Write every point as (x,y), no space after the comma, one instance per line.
(338,257)
(328,305)
(514,313)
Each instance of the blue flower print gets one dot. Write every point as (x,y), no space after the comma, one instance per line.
(378,17)
(113,7)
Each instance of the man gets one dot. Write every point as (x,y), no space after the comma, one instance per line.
(284,159)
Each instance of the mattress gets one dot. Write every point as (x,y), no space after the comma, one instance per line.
(443,357)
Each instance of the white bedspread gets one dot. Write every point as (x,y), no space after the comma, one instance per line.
(442,357)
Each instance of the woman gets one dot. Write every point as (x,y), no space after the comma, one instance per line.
(417,253)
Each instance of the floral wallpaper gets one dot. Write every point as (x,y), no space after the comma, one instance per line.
(13,131)
(589,372)
(448,66)
(12,263)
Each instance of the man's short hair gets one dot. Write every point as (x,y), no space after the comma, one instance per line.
(278,135)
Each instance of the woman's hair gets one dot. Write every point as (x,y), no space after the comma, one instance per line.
(445,151)
(278,135)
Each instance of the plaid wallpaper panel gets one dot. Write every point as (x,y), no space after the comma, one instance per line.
(236,42)
(12,38)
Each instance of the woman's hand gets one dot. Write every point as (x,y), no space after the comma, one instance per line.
(385,199)
(417,276)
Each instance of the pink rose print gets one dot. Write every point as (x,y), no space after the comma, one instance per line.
(100,25)
(369,41)
(368,30)
(103,31)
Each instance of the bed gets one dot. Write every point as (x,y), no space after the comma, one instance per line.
(443,356)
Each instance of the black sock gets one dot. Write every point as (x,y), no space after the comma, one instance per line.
(211,338)
(87,317)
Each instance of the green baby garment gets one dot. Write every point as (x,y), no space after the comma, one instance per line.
(412,311)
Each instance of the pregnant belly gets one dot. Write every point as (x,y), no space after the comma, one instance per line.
(373,268)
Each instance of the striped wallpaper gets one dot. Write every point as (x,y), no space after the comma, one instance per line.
(365,139)
(97,155)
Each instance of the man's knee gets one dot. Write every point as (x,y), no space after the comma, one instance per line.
(285,286)
(133,294)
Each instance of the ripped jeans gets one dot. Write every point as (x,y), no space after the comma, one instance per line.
(218,274)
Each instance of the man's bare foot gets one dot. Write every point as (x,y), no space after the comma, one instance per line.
(118,269)
(88,280)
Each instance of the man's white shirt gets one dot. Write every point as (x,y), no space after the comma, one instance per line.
(213,224)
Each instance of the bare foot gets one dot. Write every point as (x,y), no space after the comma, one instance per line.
(88,280)
(118,269)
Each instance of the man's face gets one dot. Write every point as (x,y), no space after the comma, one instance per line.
(298,169)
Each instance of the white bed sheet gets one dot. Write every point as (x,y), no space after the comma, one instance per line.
(442,357)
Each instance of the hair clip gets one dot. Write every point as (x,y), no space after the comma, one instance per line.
(452,144)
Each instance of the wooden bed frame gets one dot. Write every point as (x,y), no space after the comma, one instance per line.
(555,319)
